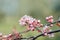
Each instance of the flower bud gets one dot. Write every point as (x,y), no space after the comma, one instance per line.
(49,19)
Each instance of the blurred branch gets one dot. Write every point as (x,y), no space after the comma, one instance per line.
(47,33)
(34,38)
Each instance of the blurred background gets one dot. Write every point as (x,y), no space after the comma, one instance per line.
(12,10)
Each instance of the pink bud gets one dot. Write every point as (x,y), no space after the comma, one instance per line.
(51,20)
(45,34)
(51,16)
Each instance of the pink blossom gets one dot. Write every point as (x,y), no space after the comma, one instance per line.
(25,19)
(49,19)
(45,30)
(31,22)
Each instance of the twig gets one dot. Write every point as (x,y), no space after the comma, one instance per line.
(47,33)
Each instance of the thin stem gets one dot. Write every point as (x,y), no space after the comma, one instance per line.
(47,33)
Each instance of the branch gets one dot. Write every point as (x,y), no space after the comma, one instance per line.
(47,33)
(34,38)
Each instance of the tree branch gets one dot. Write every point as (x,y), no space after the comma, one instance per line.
(47,33)
(34,38)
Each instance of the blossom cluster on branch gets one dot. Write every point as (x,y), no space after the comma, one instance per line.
(32,24)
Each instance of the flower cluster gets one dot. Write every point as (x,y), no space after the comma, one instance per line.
(47,29)
(14,35)
(32,23)
(49,19)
